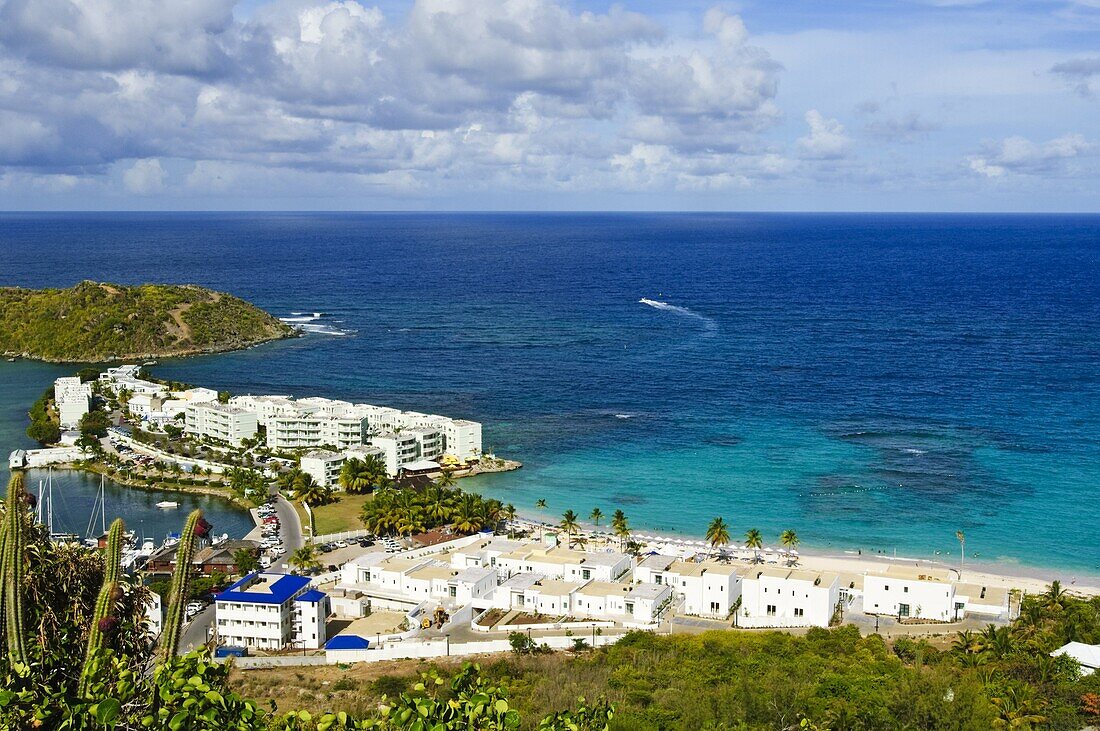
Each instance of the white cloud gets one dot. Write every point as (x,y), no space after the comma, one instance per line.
(1079,73)
(144,177)
(826,140)
(1021,155)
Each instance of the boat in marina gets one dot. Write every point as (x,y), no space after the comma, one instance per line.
(168,505)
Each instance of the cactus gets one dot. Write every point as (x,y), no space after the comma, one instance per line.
(11,570)
(181,581)
(105,603)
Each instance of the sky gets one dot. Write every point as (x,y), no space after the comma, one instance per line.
(801,105)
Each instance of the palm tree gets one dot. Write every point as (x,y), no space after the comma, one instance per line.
(509,515)
(718,533)
(310,493)
(621,527)
(962,550)
(468,515)
(755,541)
(596,515)
(1017,711)
(540,504)
(1055,596)
(446,479)
(359,476)
(789,539)
(305,558)
(569,525)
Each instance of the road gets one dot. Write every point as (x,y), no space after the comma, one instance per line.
(290,530)
(195,632)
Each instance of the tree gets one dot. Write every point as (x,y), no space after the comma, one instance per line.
(621,527)
(469,514)
(718,533)
(755,541)
(540,504)
(247,483)
(509,513)
(446,478)
(569,525)
(596,515)
(789,539)
(359,476)
(962,550)
(305,558)
(95,423)
(247,560)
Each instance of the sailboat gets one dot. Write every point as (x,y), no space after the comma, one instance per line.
(44,514)
(98,508)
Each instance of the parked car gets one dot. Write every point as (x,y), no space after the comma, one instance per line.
(340,544)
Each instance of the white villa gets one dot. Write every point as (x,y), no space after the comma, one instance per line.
(557,562)
(782,597)
(402,582)
(534,593)
(908,591)
(708,588)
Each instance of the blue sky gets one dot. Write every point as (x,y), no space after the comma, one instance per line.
(937,105)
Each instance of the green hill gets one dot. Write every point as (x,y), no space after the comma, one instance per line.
(97,321)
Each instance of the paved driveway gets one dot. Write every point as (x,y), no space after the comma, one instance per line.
(195,632)
(290,531)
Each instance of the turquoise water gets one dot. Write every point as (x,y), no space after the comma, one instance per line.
(873,382)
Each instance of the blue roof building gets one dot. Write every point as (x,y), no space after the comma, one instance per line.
(271,611)
(347,642)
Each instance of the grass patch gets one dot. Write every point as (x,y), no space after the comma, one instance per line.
(342,514)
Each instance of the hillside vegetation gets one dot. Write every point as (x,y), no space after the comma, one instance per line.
(98,322)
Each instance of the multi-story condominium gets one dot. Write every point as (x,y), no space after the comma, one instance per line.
(781,597)
(271,611)
(907,591)
(398,449)
(324,467)
(708,588)
(219,421)
(308,432)
(313,422)
(73,399)
(267,408)
(429,442)
(395,581)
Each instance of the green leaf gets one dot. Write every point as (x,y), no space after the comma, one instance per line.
(107,711)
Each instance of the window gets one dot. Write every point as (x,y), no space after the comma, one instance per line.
(799,612)
(586,574)
(887,587)
(771,610)
(905,589)
(714,607)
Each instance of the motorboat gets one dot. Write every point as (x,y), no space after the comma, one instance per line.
(167,505)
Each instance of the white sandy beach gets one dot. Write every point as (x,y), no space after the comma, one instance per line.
(1028,579)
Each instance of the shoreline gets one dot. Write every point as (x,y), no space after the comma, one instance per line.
(96,469)
(1032,580)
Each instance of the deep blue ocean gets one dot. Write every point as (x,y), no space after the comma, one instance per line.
(875,382)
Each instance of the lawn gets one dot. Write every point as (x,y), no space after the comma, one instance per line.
(342,514)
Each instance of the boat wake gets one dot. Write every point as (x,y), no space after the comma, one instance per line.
(316,322)
(709,325)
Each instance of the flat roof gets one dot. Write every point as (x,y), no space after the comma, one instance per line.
(605,588)
(648,591)
(555,587)
(657,561)
(522,581)
(264,588)
(475,573)
(915,573)
(312,596)
(432,572)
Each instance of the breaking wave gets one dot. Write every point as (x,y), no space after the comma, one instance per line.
(315,323)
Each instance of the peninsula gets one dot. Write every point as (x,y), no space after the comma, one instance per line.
(96,322)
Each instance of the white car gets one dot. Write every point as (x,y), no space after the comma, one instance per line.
(341,544)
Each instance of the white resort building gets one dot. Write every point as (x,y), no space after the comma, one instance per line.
(73,399)
(907,591)
(271,611)
(220,422)
(782,597)
(324,467)
(708,588)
